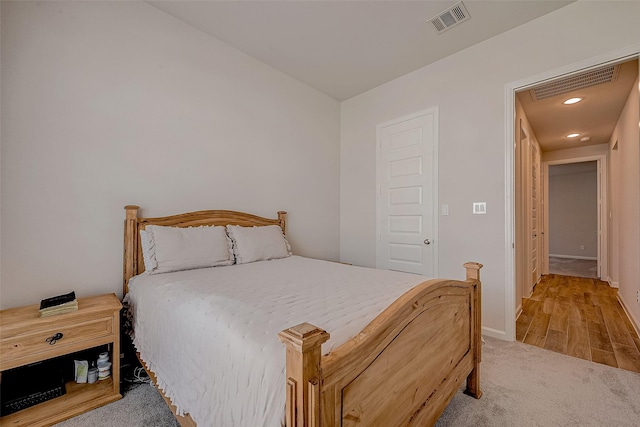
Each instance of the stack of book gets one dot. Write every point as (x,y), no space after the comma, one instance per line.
(58,305)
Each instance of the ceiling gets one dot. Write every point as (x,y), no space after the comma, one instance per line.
(595,117)
(344,48)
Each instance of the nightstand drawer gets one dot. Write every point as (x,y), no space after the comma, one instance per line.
(34,345)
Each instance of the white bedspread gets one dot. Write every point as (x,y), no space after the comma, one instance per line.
(211,335)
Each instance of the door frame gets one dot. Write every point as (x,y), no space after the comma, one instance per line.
(435,242)
(621,55)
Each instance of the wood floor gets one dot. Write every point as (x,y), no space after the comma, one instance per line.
(581,317)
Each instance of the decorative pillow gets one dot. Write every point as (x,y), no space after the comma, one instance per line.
(179,248)
(258,243)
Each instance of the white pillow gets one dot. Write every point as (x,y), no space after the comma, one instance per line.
(179,248)
(258,243)
(148,251)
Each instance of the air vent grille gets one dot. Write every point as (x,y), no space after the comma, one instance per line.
(459,13)
(590,78)
(449,18)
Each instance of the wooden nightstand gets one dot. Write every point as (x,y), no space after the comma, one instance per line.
(23,335)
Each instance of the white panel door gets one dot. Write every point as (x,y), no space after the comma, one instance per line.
(407,194)
(534,219)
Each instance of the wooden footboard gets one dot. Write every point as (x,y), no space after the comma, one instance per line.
(402,369)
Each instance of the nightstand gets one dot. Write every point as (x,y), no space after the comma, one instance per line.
(23,340)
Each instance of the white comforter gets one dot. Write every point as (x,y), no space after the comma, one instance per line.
(211,335)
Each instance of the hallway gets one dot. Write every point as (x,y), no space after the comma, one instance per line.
(581,317)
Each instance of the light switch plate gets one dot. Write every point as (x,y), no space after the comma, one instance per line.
(479,208)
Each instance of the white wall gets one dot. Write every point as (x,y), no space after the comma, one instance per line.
(626,163)
(469,88)
(573,210)
(113,103)
(576,154)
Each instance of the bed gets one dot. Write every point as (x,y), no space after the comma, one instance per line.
(393,361)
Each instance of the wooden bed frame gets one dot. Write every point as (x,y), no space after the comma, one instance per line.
(402,369)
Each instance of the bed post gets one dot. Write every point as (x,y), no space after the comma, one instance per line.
(130,246)
(303,342)
(282,217)
(473,380)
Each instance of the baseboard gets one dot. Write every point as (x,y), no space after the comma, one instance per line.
(590,258)
(494,333)
(634,321)
(612,283)
(518,311)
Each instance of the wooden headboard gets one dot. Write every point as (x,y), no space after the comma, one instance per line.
(133,261)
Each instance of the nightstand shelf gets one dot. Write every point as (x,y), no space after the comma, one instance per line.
(23,341)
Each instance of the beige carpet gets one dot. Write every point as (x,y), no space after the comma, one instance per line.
(523,386)
(573,267)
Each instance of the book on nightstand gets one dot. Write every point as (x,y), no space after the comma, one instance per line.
(58,305)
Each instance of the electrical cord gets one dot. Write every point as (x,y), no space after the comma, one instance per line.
(138,377)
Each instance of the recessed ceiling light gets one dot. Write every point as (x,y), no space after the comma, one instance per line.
(573,135)
(585,139)
(572,101)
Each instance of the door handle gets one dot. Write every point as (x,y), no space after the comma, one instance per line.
(427,241)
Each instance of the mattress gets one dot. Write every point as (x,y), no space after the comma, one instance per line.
(211,335)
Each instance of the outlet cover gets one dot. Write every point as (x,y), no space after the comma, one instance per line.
(479,208)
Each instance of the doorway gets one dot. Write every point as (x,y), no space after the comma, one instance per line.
(518,234)
(575,232)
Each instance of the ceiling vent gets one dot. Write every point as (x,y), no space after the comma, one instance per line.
(451,17)
(590,78)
